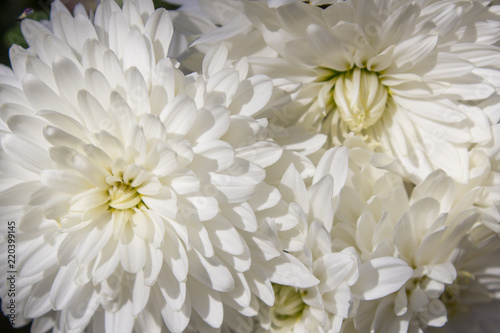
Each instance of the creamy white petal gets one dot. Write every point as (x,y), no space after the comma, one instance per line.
(175,256)
(224,236)
(64,288)
(121,320)
(159,28)
(208,304)
(381,277)
(210,272)
(288,270)
(176,321)
(328,48)
(173,292)
(132,253)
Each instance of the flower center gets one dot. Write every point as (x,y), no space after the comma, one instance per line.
(360,98)
(451,294)
(123,196)
(288,306)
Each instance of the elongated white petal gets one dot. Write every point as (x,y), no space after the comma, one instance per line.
(208,304)
(290,271)
(121,320)
(64,287)
(381,277)
(173,292)
(210,272)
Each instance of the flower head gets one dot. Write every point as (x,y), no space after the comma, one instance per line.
(436,228)
(402,75)
(135,186)
(342,276)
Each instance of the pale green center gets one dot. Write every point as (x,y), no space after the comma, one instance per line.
(452,292)
(123,196)
(288,306)
(360,98)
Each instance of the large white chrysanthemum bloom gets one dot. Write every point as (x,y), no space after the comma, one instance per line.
(133,186)
(303,230)
(438,229)
(400,74)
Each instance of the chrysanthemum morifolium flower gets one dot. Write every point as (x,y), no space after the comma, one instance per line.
(135,187)
(310,208)
(438,230)
(401,74)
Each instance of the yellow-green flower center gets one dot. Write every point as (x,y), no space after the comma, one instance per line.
(451,294)
(123,196)
(288,306)
(349,101)
(360,98)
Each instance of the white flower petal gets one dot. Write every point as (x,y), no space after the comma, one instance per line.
(173,292)
(64,289)
(199,238)
(64,181)
(200,207)
(18,193)
(68,77)
(333,162)
(445,273)
(138,53)
(405,56)
(293,189)
(302,141)
(179,122)
(265,197)
(287,270)
(132,253)
(153,265)
(91,111)
(95,240)
(160,30)
(140,294)
(380,277)
(233,189)
(328,48)
(27,154)
(252,95)
(38,257)
(320,195)
(38,302)
(175,255)
(241,216)
(210,272)
(260,285)
(120,321)
(262,248)
(210,124)
(332,270)
(262,153)
(162,203)
(214,60)
(224,236)
(176,321)
(208,304)
(106,262)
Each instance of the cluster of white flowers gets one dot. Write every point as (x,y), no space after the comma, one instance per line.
(253,166)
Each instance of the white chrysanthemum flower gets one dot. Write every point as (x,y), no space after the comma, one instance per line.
(400,74)
(134,186)
(436,230)
(303,229)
